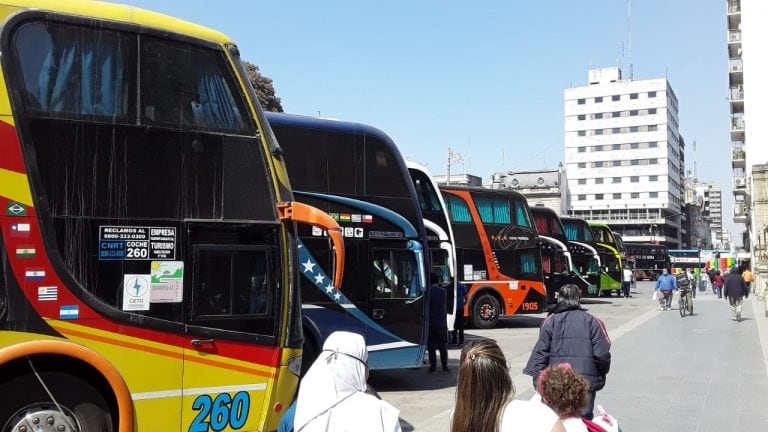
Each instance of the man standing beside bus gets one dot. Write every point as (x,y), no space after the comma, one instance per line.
(626,280)
(438,323)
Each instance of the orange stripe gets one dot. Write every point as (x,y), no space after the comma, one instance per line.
(163,352)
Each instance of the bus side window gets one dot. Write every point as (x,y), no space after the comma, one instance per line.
(231,289)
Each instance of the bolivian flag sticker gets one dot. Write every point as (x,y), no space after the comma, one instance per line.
(25,252)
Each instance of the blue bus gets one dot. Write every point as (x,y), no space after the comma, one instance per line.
(355,173)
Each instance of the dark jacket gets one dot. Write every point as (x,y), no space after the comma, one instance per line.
(571,335)
(437,308)
(735,286)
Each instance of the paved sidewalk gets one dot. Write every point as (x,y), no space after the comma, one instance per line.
(699,373)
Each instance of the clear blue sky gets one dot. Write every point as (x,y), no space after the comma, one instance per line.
(485,78)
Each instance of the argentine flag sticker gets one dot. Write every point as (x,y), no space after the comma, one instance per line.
(69,312)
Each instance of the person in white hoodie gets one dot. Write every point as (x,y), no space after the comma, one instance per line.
(332,395)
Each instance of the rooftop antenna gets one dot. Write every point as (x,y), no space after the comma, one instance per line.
(629,37)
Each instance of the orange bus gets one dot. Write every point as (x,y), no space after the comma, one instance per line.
(497,253)
(148,270)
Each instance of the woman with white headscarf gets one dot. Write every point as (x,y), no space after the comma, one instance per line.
(332,395)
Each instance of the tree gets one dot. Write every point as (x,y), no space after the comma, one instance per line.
(263,87)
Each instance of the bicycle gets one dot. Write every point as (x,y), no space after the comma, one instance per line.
(685,304)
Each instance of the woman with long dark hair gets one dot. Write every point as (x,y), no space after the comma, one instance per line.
(484,392)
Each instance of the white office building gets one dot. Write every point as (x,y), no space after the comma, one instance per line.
(624,156)
(748,100)
(712,208)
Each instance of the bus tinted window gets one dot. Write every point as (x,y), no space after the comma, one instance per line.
(187,86)
(383,173)
(521,214)
(76,71)
(427,195)
(458,210)
(493,211)
(395,274)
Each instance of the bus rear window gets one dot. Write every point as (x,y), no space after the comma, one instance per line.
(76,71)
(85,73)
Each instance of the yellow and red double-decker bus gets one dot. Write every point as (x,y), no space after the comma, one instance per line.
(148,274)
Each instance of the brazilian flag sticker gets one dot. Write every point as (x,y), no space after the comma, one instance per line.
(15,209)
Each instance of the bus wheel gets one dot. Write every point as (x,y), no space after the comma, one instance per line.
(25,405)
(485,312)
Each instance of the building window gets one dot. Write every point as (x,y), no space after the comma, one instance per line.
(653,128)
(653,178)
(633,95)
(616,163)
(598,99)
(582,165)
(634,146)
(582,133)
(616,114)
(635,195)
(598,181)
(617,196)
(582,181)
(597,164)
(598,131)
(598,116)
(633,113)
(616,147)
(652,94)
(653,161)
(582,117)
(653,145)
(616,180)
(652,111)
(598,196)
(582,101)
(615,98)
(598,148)
(582,197)
(582,149)
(616,130)
(633,129)
(634,179)
(653,195)
(634,162)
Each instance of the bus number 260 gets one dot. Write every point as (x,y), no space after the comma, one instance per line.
(220,412)
(530,306)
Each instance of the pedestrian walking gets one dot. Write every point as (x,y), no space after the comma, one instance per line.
(693,280)
(703,280)
(665,284)
(626,280)
(457,335)
(717,283)
(748,278)
(735,289)
(571,335)
(484,393)
(332,395)
(437,339)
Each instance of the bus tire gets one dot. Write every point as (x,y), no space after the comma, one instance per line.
(85,407)
(485,312)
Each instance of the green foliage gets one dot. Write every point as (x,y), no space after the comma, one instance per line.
(263,87)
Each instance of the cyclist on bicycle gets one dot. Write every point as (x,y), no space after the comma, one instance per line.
(685,285)
(666,283)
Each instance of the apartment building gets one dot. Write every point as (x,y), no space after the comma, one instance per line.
(748,100)
(625,157)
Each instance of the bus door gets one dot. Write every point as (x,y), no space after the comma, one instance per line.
(233,304)
(397,305)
